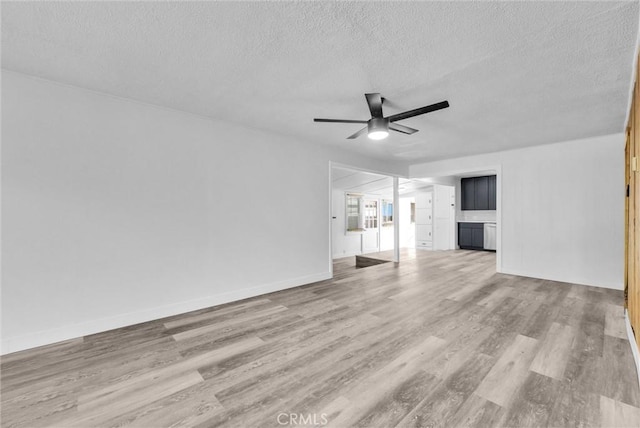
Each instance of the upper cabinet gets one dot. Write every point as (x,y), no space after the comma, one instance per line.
(492,192)
(479,193)
(481,197)
(468,193)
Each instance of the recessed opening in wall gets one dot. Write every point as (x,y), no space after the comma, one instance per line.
(475,209)
(362,217)
(412,208)
(365,217)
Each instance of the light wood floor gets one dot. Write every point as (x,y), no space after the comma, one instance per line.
(440,340)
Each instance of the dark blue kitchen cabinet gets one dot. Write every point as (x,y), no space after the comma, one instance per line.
(492,192)
(478,193)
(468,194)
(471,236)
(481,196)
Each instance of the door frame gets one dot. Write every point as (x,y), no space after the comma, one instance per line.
(481,169)
(333,164)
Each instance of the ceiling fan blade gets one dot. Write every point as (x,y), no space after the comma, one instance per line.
(340,120)
(375,104)
(401,128)
(419,111)
(357,134)
(387,102)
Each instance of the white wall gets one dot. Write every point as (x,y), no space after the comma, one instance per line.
(561,205)
(116,212)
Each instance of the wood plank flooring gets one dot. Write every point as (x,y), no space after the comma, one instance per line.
(439,340)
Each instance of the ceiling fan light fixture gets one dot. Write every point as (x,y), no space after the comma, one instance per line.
(378,135)
(378,128)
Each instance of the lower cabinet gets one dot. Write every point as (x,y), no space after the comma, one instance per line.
(424,245)
(471,236)
(424,236)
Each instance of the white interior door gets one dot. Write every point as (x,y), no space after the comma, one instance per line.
(371,235)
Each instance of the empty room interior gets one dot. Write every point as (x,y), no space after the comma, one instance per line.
(371,214)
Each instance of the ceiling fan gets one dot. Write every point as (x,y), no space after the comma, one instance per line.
(378,126)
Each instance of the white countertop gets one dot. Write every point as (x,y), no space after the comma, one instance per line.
(475,221)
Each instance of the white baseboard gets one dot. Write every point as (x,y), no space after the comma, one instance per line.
(47,337)
(566,280)
(634,345)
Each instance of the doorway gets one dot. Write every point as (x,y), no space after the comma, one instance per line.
(362,212)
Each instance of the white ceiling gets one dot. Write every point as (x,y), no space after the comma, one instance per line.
(515,73)
(350,180)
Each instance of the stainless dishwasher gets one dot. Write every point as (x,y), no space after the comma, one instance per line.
(490,236)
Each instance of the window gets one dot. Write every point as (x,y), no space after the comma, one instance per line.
(387,213)
(413,212)
(355,220)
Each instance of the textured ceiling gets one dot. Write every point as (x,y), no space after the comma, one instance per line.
(515,73)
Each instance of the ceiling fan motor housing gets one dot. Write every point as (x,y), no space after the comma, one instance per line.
(378,124)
